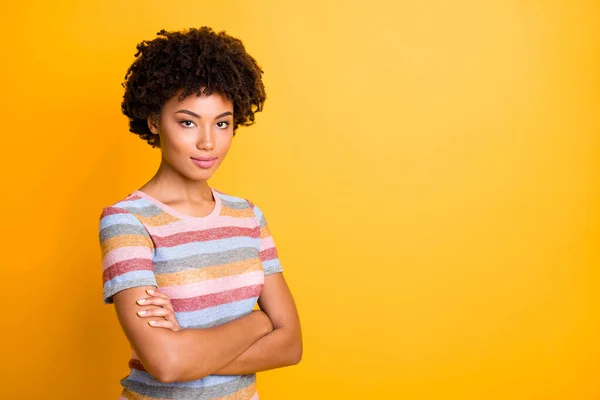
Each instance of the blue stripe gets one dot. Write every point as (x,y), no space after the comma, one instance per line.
(208,246)
(211,314)
(271,263)
(210,380)
(233,199)
(130,277)
(115,219)
(258,212)
(139,203)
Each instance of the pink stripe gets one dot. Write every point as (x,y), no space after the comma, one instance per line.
(267,243)
(215,299)
(192,226)
(112,210)
(204,235)
(213,285)
(255,397)
(125,253)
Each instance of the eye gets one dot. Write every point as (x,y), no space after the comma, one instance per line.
(184,123)
(223,122)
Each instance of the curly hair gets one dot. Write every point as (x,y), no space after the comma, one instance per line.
(189,60)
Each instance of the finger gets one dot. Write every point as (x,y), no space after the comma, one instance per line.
(159,312)
(156,293)
(155,301)
(156,312)
(161,323)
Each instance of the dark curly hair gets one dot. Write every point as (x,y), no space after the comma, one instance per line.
(190,60)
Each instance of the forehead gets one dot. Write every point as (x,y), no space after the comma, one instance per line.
(204,104)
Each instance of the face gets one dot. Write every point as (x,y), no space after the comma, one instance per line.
(195,134)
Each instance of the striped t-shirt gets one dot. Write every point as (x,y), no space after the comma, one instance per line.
(212,268)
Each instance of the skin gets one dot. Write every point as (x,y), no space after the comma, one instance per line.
(264,339)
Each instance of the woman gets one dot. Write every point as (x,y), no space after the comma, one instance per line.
(185,264)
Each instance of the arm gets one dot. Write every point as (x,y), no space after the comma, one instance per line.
(187,354)
(127,271)
(281,347)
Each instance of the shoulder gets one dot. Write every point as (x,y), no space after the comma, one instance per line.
(230,198)
(238,202)
(120,228)
(234,201)
(124,209)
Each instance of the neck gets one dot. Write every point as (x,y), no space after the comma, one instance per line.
(169,184)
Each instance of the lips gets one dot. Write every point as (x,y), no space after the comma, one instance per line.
(204,158)
(204,162)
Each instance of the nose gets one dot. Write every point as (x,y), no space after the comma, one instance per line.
(206,139)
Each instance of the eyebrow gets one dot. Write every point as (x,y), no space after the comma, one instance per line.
(193,114)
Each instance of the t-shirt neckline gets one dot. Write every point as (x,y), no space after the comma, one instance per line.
(215,212)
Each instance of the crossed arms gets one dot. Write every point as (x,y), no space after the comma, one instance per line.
(264,339)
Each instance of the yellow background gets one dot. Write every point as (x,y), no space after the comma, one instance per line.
(429,170)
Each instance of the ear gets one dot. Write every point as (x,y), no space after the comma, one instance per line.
(153,123)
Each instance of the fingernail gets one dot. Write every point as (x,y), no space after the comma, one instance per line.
(141,301)
(152,322)
(142,312)
(150,291)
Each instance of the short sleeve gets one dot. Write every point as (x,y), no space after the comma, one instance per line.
(268,250)
(127,251)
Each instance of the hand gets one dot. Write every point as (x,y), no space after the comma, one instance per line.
(164,310)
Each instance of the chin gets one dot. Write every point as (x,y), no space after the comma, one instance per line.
(202,175)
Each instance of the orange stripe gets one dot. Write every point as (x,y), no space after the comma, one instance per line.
(264,231)
(234,212)
(158,220)
(124,241)
(244,393)
(129,395)
(207,273)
